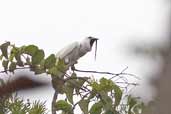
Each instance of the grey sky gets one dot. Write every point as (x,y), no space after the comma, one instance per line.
(52,24)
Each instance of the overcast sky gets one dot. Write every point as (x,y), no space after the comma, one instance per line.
(52,24)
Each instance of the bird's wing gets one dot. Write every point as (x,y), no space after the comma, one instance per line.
(67,50)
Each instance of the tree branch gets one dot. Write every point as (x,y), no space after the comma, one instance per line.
(55,96)
(109,73)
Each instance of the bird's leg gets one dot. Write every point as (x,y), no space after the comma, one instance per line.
(73,68)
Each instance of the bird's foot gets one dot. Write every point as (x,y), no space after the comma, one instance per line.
(73,68)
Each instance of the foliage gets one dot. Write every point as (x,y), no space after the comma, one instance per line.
(12,104)
(64,106)
(102,96)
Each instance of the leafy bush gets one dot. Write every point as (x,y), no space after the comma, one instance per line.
(103,96)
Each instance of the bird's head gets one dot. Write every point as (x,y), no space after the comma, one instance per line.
(87,44)
(92,40)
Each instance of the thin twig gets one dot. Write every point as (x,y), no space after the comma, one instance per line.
(135,84)
(109,73)
(91,71)
(79,101)
(124,69)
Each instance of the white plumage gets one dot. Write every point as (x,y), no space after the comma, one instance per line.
(71,53)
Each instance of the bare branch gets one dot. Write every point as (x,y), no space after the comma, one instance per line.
(109,73)
(79,101)
(55,96)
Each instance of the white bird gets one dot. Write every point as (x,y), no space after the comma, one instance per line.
(71,53)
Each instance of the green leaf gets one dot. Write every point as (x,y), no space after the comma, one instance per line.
(72,82)
(22,49)
(118,95)
(50,61)
(76,82)
(106,84)
(11,57)
(12,66)
(4,49)
(80,83)
(69,93)
(17,106)
(138,108)
(42,64)
(31,49)
(84,105)
(1,56)
(58,84)
(37,108)
(18,59)
(95,86)
(106,100)
(16,52)
(63,105)
(38,70)
(63,112)
(110,112)
(38,57)
(5,64)
(69,87)
(96,108)
(92,94)
(61,65)
(131,103)
(54,72)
